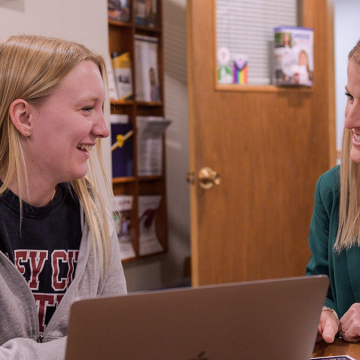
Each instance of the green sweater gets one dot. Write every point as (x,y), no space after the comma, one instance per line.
(343,269)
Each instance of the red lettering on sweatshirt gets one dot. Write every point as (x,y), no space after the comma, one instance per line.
(43,302)
(36,259)
(61,256)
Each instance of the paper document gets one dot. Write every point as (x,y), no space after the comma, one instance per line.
(121,213)
(150,130)
(148,211)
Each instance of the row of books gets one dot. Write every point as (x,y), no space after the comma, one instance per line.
(145,11)
(148,206)
(146,68)
(150,130)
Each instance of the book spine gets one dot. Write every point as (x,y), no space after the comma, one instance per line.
(122,72)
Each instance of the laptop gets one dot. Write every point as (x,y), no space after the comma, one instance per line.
(269,319)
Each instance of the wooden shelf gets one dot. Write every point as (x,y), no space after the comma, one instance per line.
(152,178)
(122,39)
(140,28)
(132,102)
(123,180)
(263,88)
(144,103)
(122,102)
(119,23)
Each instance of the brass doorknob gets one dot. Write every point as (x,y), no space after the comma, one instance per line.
(208,178)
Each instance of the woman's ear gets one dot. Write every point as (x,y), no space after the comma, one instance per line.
(20,113)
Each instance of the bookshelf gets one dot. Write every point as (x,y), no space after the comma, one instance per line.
(122,39)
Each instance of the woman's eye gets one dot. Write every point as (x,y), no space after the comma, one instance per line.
(350,98)
(88,108)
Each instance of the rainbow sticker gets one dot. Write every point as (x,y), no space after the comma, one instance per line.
(240,70)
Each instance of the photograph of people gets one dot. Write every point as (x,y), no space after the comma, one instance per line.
(304,61)
(154,87)
(287,40)
(119,10)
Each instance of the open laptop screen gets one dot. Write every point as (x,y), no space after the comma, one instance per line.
(270,319)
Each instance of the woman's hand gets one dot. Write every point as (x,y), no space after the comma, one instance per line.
(328,327)
(349,328)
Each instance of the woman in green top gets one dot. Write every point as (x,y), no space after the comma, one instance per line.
(335,226)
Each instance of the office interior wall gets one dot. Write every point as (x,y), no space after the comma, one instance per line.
(168,270)
(69,19)
(76,20)
(177,140)
(346,35)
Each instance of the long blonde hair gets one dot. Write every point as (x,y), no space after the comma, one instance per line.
(31,67)
(349,209)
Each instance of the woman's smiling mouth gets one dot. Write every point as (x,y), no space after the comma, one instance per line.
(84,147)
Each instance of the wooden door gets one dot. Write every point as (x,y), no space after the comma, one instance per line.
(269,146)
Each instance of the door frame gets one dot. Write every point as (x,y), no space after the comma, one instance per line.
(308,8)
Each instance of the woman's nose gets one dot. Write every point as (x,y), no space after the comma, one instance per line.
(100,129)
(352,115)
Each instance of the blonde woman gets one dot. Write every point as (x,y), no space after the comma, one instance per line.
(57,242)
(335,226)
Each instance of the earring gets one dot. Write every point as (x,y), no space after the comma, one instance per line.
(27,133)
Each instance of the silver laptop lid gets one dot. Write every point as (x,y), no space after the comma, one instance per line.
(270,319)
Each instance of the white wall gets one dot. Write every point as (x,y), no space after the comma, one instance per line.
(69,19)
(177,138)
(347,33)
